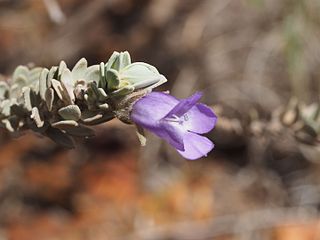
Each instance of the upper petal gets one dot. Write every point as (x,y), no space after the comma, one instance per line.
(148,110)
(184,105)
(195,146)
(200,119)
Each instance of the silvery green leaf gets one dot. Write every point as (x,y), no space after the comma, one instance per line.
(103,82)
(53,73)
(21,80)
(71,112)
(86,97)
(15,91)
(20,71)
(104,106)
(59,137)
(113,80)
(36,117)
(87,115)
(67,84)
(123,91)
(162,81)
(125,60)
(43,83)
(57,88)
(61,68)
(35,98)
(35,86)
(79,69)
(102,94)
(7,125)
(27,98)
(65,124)
(90,97)
(98,92)
(4,88)
(14,122)
(34,74)
(80,131)
(140,75)
(99,118)
(49,97)
(93,74)
(5,107)
(113,61)
(118,61)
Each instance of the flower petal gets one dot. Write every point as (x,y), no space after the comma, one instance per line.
(184,105)
(171,132)
(148,110)
(200,119)
(195,146)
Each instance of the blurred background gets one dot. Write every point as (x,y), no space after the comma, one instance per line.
(249,57)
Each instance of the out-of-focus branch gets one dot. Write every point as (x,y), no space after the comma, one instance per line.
(227,225)
(54,11)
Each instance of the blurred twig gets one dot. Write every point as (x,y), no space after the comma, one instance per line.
(54,11)
(227,225)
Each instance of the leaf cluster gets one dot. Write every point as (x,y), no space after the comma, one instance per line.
(61,103)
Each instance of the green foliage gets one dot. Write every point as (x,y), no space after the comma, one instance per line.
(59,102)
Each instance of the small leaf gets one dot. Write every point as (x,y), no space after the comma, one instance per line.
(34,74)
(162,81)
(15,91)
(87,117)
(20,71)
(57,88)
(65,124)
(140,75)
(93,74)
(67,84)
(102,94)
(113,61)
(4,88)
(102,72)
(104,107)
(43,83)
(113,79)
(51,75)
(71,112)
(99,118)
(90,96)
(5,107)
(123,91)
(124,60)
(14,122)
(49,96)
(7,125)
(61,68)
(27,99)
(36,117)
(79,69)
(21,80)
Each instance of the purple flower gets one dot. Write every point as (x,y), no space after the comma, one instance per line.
(179,122)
